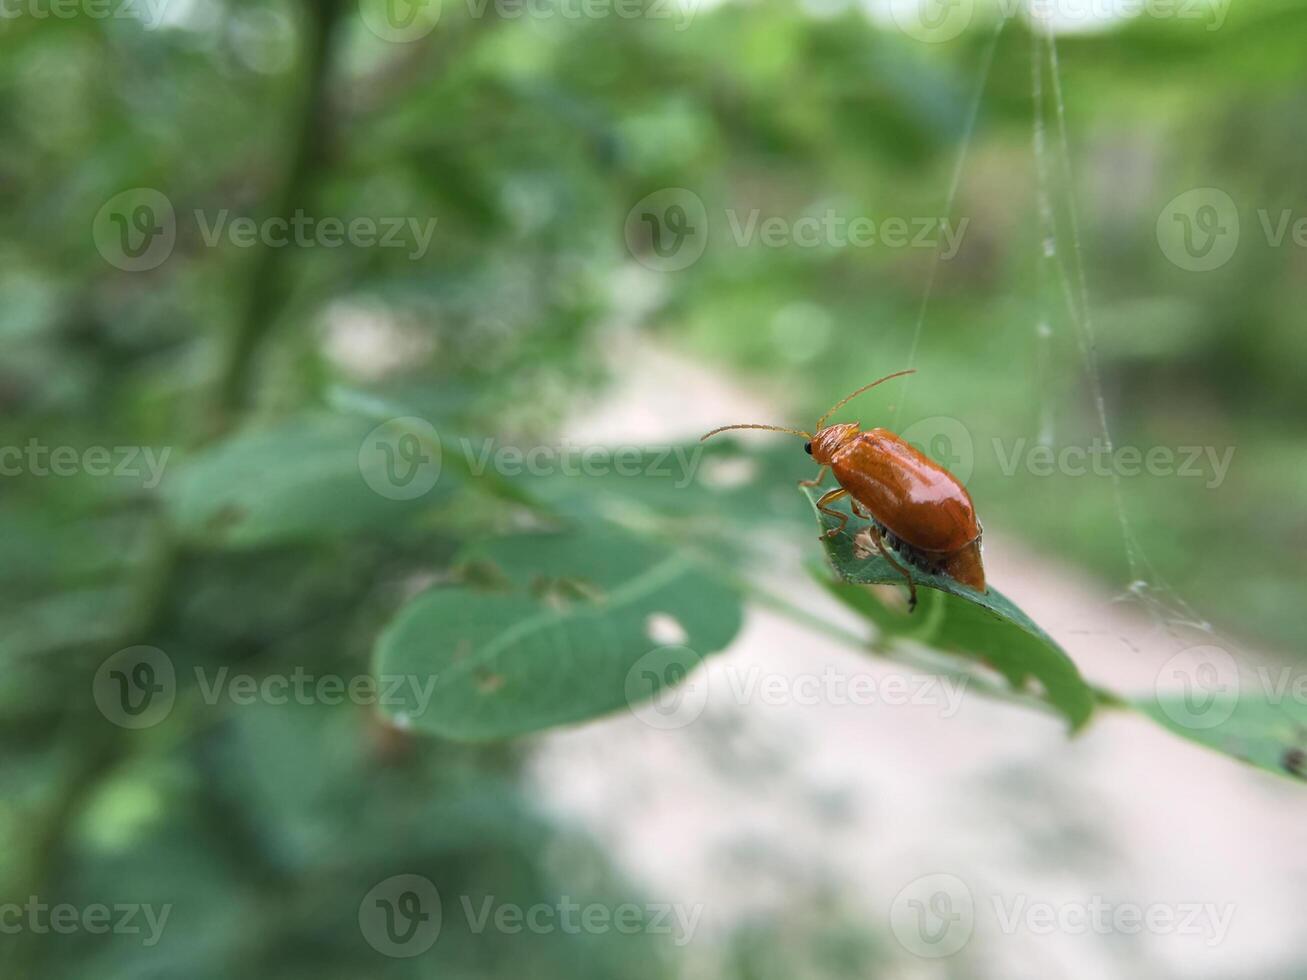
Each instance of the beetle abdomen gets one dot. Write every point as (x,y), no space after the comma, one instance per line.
(911,495)
(964,565)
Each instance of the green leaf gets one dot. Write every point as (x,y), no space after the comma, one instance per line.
(579,631)
(1266,733)
(312,476)
(987,626)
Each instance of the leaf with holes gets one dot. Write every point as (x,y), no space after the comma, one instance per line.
(582,624)
(952,617)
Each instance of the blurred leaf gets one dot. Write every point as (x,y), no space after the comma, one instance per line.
(988,627)
(1266,733)
(49,622)
(558,647)
(311,476)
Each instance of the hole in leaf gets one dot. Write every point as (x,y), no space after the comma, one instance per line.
(485,575)
(226,516)
(665,629)
(890,596)
(559,593)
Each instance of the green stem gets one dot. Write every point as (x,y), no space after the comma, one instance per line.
(266,294)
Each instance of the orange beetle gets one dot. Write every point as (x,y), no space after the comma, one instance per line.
(919,511)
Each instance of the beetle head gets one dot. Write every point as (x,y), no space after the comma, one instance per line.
(829,438)
(827,442)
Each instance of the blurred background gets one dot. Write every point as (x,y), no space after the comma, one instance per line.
(310,306)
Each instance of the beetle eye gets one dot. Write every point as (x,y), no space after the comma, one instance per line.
(807,448)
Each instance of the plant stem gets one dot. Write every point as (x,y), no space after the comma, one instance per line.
(267,290)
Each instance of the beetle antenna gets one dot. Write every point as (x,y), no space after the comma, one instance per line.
(848,398)
(749,425)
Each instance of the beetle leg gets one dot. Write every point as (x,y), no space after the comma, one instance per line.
(912,586)
(829,497)
(816,481)
(857,508)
